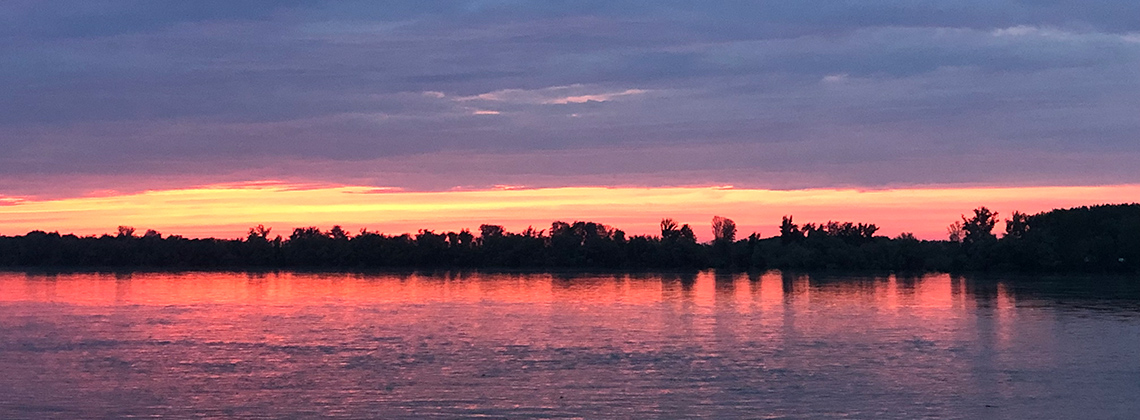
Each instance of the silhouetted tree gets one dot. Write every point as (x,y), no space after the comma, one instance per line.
(789,231)
(724,235)
(338,233)
(1017,225)
(956,232)
(669,230)
(724,229)
(980,227)
(260,231)
(486,231)
(847,231)
(687,234)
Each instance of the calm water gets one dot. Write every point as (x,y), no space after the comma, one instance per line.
(542,345)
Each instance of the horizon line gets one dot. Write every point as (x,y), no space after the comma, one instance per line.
(223,210)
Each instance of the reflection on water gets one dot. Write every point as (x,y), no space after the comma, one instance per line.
(567,345)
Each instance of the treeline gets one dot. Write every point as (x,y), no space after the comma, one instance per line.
(1085,239)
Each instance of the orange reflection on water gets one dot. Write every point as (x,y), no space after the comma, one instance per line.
(780,301)
(706,291)
(297,289)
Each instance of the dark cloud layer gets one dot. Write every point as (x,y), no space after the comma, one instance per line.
(781,94)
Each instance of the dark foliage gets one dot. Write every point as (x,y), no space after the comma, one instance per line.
(1086,239)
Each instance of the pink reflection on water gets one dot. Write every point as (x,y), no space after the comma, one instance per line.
(543,345)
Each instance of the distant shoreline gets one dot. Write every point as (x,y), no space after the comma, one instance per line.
(1096,239)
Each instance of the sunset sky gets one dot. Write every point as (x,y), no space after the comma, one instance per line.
(203,118)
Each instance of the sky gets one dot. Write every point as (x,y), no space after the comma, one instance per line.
(129,98)
(231,209)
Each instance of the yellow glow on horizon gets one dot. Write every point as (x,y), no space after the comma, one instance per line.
(228,210)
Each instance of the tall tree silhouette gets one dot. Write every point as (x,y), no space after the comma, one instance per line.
(669,230)
(980,227)
(789,231)
(1017,225)
(955,232)
(724,229)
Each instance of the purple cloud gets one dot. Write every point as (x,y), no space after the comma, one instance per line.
(773,94)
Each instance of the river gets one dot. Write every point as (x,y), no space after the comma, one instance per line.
(567,345)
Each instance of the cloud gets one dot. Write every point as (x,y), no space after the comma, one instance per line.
(599,97)
(555,95)
(11,201)
(835,78)
(877,93)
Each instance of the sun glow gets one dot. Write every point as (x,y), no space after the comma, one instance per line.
(228,210)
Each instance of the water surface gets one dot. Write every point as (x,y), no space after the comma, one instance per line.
(567,345)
